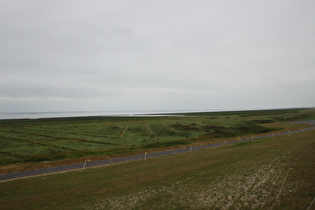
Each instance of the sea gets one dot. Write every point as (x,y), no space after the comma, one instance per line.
(128,113)
(151,113)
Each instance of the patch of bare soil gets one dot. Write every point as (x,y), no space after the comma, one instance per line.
(263,187)
(260,189)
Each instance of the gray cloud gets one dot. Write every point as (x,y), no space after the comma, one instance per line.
(109,55)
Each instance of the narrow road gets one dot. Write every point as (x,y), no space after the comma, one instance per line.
(139,157)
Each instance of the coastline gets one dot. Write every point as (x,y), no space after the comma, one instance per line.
(88,114)
(4,116)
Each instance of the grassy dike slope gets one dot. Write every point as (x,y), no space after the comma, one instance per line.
(268,173)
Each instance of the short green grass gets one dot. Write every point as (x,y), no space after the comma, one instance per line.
(273,173)
(55,139)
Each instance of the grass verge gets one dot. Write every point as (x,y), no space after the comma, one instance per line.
(268,173)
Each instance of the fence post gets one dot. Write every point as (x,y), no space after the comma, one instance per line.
(145,155)
(311,204)
(190,149)
(85,163)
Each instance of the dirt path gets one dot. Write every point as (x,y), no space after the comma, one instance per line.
(123,132)
(149,130)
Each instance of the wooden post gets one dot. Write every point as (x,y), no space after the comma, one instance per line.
(145,155)
(190,149)
(88,160)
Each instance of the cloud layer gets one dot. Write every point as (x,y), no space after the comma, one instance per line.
(144,55)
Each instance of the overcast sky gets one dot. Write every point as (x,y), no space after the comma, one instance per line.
(112,55)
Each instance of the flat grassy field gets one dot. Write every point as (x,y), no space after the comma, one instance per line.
(276,173)
(29,141)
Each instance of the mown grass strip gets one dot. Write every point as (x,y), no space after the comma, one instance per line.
(77,133)
(37,143)
(64,138)
(15,154)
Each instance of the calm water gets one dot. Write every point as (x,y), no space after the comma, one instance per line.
(37,115)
